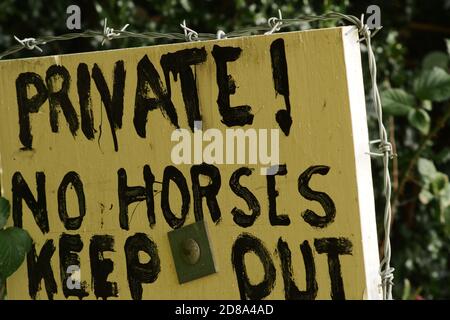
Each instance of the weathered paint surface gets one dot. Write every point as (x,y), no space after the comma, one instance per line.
(312,231)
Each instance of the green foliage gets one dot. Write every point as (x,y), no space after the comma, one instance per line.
(420,120)
(435,59)
(448,45)
(14,243)
(433,84)
(435,186)
(397,102)
(4,211)
(420,112)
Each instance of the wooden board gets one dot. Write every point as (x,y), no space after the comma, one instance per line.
(78,131)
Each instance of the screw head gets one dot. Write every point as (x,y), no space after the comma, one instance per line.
(191,251)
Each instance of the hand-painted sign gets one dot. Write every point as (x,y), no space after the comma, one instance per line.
(104,153)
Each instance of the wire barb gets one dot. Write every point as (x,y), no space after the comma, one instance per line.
(189,34)
(110,33)
(383,148)
(221,35)
(275,23)
(29,43)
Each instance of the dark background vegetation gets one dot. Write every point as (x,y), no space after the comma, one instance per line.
(417,119)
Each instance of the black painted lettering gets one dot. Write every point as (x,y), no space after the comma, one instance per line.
(128,195)
(209,191)
(291,290)
(231,116)
(137,272)
(179,63)
(244,244)
(173,174)
(239,217)
(28,105)
(113,103)
(102,267)
(59,98)
(39,267)
(334,247)
(281,82)
(21,191)
(73,179)
(327,203)
(84,98)
(272,194)
(69,245)
(148,80)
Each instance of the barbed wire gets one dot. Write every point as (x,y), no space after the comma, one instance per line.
(275,24)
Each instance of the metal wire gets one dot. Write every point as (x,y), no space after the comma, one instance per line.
(275,24)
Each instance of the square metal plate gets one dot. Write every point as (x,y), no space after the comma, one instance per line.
(191,252)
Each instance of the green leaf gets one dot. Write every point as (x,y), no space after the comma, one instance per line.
(433,85)
(435,59)
(426,168)
(443,156)
(442,211)
(448,45)
(425,196)
(445,196)
(427,105)
(420,120)
(4,211)
(396,102)
(14,245)
(445,218)
(439,183)
(406,289)
(186,5)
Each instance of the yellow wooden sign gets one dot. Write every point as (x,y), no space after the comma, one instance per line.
(263,138)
